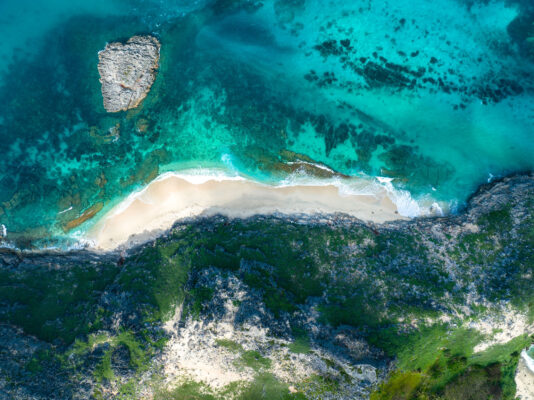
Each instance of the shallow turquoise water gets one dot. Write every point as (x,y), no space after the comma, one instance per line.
(435,94)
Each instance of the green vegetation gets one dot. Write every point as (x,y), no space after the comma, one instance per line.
(267,387)
(230,345)
(138,357)
(437,363)
(35,364)
(81,347)
(186,391)
(420,349)
(199,296)
(301,345)
(128,390)
(264,387)
(103,370)
(401,385)
(253,359)
(157,278)
(383,283)
(317,386)
(138,354)
(55,304)
(250,358)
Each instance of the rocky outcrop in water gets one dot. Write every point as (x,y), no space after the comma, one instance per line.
(127,71)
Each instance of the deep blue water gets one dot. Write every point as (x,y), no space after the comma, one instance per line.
(437,95)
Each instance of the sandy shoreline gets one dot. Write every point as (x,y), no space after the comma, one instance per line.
(154,210)
(524,377)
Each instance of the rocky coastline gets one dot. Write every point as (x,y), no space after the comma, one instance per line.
(318,307)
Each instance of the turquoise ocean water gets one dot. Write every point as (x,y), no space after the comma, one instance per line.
(436,95)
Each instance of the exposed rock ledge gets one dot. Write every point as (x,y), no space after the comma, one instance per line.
(127,71)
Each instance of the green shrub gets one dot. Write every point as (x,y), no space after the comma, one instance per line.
(186,391)
(103,370)
(268,387)
(230,345)
(301,345)
(253,359)
(399,386)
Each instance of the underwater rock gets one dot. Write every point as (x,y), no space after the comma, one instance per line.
(286,10)
(86,215)
(127,71)
(142,125)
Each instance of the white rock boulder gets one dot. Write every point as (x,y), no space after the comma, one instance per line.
(127,71)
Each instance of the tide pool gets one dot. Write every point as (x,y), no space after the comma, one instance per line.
(437,96)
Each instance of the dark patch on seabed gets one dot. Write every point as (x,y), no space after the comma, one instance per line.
(66,159)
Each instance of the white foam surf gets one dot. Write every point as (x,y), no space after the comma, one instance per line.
(529,361)
(378,187)
(407,205)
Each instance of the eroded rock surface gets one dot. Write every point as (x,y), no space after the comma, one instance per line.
(127,71)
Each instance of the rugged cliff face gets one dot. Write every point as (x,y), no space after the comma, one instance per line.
(318,307)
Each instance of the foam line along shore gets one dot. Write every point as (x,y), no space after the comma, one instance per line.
(147,213)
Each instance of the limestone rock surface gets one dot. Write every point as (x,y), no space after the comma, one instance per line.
(127,71)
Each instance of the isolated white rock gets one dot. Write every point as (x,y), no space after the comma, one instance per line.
(127,71)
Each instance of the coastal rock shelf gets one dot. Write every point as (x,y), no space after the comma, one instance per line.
(127,71)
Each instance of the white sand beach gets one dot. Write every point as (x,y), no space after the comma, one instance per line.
(524,377)
(148,213)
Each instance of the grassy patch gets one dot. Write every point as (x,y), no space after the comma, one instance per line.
(103,370)
(230,345)
(186,391)
(198,297)
(128,390)
(58,304)
(401,385)
(267,387)
(139,355)
(81,347)
(301,345)
(437,362)
(157,276)
(475,383)
(35,365)
(495,220)
(253,359)
(319,386)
